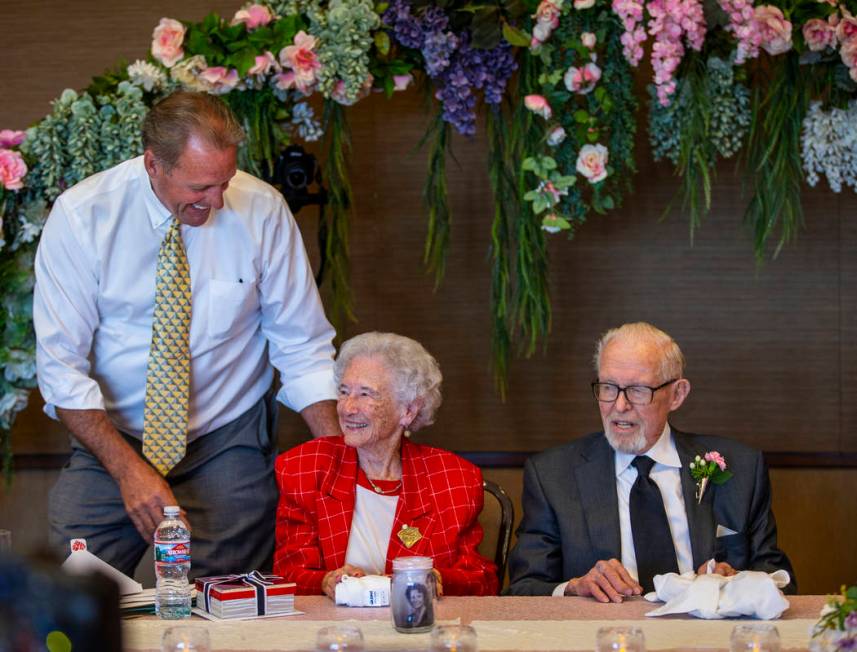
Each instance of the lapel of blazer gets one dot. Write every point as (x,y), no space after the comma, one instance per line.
(700,516)
(415,509)
(596,482)
(335,504)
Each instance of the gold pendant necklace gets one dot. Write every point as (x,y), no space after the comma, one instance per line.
(378,489)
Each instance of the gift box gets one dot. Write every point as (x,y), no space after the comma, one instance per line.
(245,595)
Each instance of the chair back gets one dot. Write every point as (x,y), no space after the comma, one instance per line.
(496,520)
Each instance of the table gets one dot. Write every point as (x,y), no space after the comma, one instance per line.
(537,624)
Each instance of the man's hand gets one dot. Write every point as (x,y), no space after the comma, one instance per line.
(607,581)
(322,419)
(720,568)
(145,493)
(334,577)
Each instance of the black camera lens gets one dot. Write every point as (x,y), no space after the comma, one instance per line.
(297,176)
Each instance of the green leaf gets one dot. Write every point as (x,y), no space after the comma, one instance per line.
(211,22)
(531,195)
(515,36)
(592,136)
(243,60)
(382,42)
(721,477)
(608,202)
(581,116)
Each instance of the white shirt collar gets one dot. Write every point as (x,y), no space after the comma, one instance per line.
(662,452)
(157,212)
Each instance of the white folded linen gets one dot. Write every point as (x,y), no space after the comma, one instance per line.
(81,561)
(747,593)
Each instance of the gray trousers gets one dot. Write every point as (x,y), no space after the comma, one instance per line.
(225,483)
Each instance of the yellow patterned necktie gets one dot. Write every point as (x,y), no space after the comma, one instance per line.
(165,415)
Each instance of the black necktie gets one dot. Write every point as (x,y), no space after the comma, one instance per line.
(653,543)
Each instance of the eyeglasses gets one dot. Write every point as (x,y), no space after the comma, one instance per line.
(634,394)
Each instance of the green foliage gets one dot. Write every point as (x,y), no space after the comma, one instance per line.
(708,117)
(774,158)
(335,225)
(435,195)
(838,609)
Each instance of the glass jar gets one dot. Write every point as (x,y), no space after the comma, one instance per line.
(412,595)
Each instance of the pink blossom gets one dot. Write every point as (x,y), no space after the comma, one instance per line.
(717,458)
(588,39)
(401,82)
(264,64)
(848,54)
(546,21)
(167,41)
(12,169)
(302,60)
(775,30)
(253,16)
(219,79)
(630,12)
(818,34)
(9,138)
(538,105)
(339,91)
(285,80)
(742,25)
(556,136)
(592,162)
(670,20)
(582,80)
(846,29)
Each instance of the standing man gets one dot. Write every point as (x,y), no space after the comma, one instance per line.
(166,288)
(606,513)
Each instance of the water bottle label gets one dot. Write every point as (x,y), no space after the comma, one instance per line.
(172,552)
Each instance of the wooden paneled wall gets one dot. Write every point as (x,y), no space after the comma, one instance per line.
(772,349)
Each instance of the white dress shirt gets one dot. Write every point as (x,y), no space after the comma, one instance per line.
(666,473)
(254,303)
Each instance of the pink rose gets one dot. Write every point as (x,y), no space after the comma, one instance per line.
(592,162)
(12,169)
(253,16)
(588,40)
(818,34)
(848,54)
(220,79)
(548,12)
(846,29)
(401,82)
(264,64)
(582,80)
(717,458)
(167,41)
(538,105)
(302,60)
(584,4)
(774,29)
(285,80)
(9,138)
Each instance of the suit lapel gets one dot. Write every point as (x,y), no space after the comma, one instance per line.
(335,506)
(596,482)
(415,508)
(700,516)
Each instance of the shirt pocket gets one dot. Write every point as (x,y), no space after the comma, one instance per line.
(228,305)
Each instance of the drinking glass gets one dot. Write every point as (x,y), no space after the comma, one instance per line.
(5,541)
(755,637)
(185,638)
(336,638)
(453,638)
(620,639)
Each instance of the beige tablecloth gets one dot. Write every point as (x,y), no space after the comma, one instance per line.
(502,624)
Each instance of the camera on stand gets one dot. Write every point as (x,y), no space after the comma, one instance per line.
(295,171)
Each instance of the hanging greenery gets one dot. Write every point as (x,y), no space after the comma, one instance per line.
(556,78)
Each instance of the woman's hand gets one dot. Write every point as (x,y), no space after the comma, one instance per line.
(334,577)
(438,582)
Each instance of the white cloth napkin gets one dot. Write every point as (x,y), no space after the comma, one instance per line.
(748,593)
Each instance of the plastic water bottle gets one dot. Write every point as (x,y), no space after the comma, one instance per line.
(172,563)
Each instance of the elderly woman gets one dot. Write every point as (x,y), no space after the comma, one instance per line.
(352,504)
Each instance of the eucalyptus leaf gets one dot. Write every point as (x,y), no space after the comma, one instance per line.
(515,36)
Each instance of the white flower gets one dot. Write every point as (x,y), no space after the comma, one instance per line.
(829,145)
(556,136)
(303,117)
(21,366)
(143,73)
(592,162)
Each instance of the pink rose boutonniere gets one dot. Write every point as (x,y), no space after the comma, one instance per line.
(710,467)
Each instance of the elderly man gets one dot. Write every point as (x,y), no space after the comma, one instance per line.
(164,384)
(606,513)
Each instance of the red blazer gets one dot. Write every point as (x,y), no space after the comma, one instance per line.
(441,496)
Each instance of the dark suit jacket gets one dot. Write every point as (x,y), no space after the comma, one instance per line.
(571,513)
